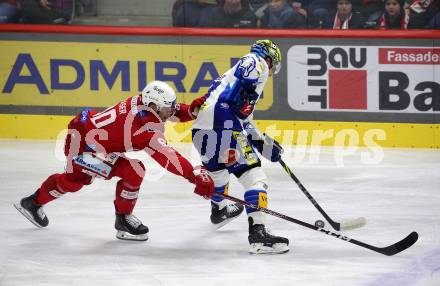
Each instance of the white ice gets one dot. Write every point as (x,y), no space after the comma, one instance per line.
(398,194)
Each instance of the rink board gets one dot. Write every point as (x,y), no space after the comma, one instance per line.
(366,134)
(335,88)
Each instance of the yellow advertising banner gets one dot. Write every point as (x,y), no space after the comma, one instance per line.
(78,74)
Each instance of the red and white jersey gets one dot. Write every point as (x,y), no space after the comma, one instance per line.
(128,126)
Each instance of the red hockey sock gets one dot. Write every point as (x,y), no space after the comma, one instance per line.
(48,190)
(126,197)
(58,184)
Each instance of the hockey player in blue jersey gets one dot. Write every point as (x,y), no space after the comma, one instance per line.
(228,142)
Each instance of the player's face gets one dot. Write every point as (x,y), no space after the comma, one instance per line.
(166,112)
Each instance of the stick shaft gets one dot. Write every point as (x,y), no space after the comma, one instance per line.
(335,225)
(389,250)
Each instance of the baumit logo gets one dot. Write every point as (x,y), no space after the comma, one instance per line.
(337,77)
(364,79)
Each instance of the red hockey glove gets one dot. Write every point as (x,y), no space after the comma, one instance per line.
(195,105)
(204,183)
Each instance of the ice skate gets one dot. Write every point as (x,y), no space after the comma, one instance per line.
(263,242)
(32,211)
(222,216)
(129,227)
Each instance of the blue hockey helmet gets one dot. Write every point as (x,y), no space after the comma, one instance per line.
(268,50)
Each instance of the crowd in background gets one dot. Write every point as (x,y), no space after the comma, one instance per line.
(38,11)
(315,14)
(287,14)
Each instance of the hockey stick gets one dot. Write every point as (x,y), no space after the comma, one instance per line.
(346,225)
(339,226)
(388,250)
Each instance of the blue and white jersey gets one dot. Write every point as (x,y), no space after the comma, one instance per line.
(218,111)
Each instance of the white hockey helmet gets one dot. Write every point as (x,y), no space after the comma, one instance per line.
(159,93)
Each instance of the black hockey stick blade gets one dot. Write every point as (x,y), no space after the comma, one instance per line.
(394,248)
(401,245)
(388,250)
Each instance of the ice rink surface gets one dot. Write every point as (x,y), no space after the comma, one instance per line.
(398,194)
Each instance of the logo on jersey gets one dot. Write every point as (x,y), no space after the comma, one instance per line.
(247,65)
(133,105)
(122,107)
(84,115)
(247,109)
(224,105)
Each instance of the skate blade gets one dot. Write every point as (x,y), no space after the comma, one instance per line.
(277,248)
(223,223)
(123,235)
(26,214)
(216,226)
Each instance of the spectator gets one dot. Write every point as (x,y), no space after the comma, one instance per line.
(187,13)
(320,12)
(230,14)
(9,11)
(345,18)
(394,16)
(300,7)
(421,12)
(434,23)
(86,7)
(371,11)
(47,12)
(259,8)
(280,14)
(257,4)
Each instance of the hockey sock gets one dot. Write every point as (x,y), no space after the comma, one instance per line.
(58,184)
(217,199)
(257,198)
(126,197)
(49,190)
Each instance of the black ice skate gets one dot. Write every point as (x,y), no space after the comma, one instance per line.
(262,242)
(32,211)
(130,227)
(220,217)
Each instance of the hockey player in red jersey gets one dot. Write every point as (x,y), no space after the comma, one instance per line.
(95,147)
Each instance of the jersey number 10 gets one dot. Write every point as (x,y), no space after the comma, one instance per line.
(104,118)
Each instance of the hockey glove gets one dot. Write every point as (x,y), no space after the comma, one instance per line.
(268,147)
(245,104)
(196,104)
(204,183)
